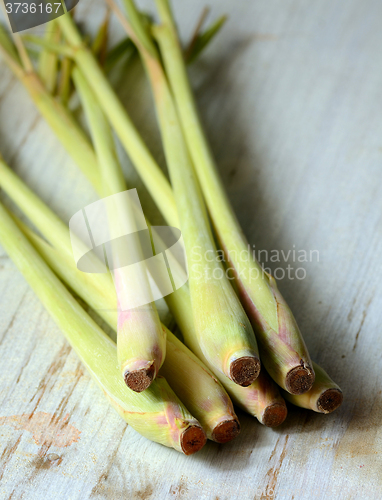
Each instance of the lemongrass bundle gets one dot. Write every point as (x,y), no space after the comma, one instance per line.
(259,399)
(180,304)
(88,62)
(157,414)
(324,397)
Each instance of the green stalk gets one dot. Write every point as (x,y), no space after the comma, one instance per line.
(157,414)
(55,47)
(224,332)
(48,61)
(118,117)
(202,394)
(141,340)
(283,350)
(324,397)
(59,118)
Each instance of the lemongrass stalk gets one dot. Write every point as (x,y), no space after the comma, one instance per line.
(200,391)
(224,332)
(10,55)
(283,350)
(157,414)
(324,397)
(48,61)
(23,54)
(121,122)
(141,341)
(58,117)
(190,379)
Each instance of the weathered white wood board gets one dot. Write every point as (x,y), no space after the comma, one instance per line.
(291,95)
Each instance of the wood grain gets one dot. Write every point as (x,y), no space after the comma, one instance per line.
(291,97)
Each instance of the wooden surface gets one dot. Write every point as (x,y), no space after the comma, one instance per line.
(291,95)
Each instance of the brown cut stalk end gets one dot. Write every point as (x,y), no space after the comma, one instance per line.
(299,379)
(226,431)
(139,380)
(243,371)
(275,414)
(330,400)
(192,439)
